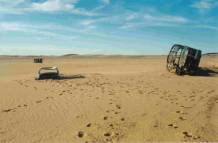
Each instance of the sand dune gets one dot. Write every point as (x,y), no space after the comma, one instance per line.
(122,99)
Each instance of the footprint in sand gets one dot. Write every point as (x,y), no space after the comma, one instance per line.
(8,110)
(173,125)
(211,91)
(116,112)
(2,132)
(111,125)
(80,134)
(155,126)
(196,137)
(107,111)
(185,106)
(162,97)
(118,106)
(89,125)
(127,91)
(186,134)
(39,101)
(105,117)
(49,97)
(182,118)
(24,105)
(178,111)
(140,92)
(192,96)
(107,134)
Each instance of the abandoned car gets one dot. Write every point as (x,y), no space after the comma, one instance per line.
(48,73)
(183,60)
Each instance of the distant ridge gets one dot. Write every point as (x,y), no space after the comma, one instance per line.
(82,56)
(69,55)
(107,56)
(211,54)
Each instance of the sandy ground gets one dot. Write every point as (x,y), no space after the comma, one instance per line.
(119,99)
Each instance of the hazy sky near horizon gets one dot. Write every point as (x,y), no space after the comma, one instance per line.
(132,27)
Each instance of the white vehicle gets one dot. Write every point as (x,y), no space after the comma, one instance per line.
(48,73)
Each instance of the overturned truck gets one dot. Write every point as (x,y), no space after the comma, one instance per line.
(183,60)
(48,73)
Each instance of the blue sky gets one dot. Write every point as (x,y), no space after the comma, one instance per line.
(55,27)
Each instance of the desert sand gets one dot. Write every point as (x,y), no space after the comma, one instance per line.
(117,99)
